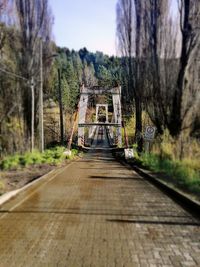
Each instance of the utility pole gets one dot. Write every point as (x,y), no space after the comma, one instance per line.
(41,119)
(32,114)
(73,128)
(61,108)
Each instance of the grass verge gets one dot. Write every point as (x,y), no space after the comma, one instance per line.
(184,175)
(181,174)
(52,156)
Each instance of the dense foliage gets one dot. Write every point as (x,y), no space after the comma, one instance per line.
(21,37)
(159,77)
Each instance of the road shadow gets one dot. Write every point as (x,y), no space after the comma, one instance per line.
(77,212)
(155,222)
(115,178)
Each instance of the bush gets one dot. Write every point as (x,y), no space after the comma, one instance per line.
(53,156)
(26,159)
(11,162)
(36,157)
(50,156)
(74,152)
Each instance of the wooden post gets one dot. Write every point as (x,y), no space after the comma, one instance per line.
(72,132)
(147,146)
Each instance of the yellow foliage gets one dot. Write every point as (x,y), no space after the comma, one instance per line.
(130,125)
(2,186)
(182,148)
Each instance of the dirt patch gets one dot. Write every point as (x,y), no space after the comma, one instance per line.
(15,179)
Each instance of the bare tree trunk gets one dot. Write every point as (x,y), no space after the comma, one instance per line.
(129,38)
(61,108)
(41,120)
(34,22)
(176,121)
(190,29)
(32,115)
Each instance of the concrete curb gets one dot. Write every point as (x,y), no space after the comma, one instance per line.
(184,200)
(9,195)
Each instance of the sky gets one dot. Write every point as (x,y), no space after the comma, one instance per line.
(85,23)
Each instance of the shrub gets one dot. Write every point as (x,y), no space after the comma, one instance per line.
(36,157)
(11,162)
(26,159)
(53,156)
(50,156)
(74,153)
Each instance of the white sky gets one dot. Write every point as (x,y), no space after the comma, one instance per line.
(85,23)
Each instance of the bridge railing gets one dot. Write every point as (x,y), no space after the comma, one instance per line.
(110,138)
(91,135)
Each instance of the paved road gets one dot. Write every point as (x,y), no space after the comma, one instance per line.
(96,213)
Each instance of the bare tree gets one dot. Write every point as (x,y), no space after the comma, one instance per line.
(130,42)
(186,97)
(163,62)
(161,41)
(5,15)
(34,22)
(125,40)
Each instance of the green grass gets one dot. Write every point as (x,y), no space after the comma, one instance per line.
(52,156)
(184,176)
(75,152)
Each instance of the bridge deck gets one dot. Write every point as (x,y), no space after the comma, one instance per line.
(100,138)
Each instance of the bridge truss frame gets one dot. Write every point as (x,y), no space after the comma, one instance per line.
(85,94)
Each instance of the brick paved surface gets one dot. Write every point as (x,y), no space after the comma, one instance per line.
(97,213)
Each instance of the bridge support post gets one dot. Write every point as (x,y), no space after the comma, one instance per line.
(83,103)
(118,114)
